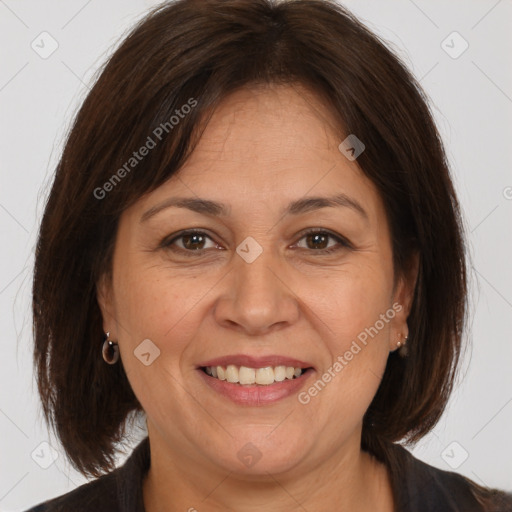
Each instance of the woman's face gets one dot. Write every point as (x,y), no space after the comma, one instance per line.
(254,283)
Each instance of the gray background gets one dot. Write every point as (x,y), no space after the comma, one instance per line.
(472,101)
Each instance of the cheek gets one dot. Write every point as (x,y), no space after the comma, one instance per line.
(349,307)
(348,311)
(349,302)
(155,302)
(159,308)
(156,305)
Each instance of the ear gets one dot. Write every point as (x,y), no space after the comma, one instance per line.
(402,301)
(104,296)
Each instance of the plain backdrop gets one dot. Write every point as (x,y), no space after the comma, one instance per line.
(471,95)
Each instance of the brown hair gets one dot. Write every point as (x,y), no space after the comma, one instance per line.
(199,51)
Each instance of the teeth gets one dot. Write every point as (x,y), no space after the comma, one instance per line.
(280,373)
(246,376)
(264,376)
(232,373)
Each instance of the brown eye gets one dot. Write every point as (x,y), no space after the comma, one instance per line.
(317,240)
(190,241)
(322,242)
(193,241)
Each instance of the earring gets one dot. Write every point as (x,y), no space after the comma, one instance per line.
(110,350)
(402,347)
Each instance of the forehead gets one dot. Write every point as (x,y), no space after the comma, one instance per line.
(270,123)
(267,146)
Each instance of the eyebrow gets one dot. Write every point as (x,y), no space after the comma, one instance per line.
(216,209)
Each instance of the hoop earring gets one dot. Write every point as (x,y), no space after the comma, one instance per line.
(110,350)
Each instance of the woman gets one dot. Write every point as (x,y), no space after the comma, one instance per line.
(253,240)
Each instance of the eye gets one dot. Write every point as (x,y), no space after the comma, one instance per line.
(193,241)
(190,241)
(322,241)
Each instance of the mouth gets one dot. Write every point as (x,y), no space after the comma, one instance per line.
(247,370)
(255,381)
(250,376)
(255,387)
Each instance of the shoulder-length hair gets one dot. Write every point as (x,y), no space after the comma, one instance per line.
(196,52)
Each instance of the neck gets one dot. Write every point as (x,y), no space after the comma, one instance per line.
(350,480)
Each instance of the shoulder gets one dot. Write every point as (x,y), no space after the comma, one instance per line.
(118,491)
(98,495)
(424,488)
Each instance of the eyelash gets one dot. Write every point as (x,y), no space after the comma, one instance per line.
(168,243)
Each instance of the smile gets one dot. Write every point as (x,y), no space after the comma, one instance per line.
(242,391)
(246,376)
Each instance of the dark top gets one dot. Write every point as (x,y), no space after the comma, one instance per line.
(417,487)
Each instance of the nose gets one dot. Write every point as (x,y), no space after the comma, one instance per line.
(256,298)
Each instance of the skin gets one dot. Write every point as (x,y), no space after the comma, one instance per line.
(263,148)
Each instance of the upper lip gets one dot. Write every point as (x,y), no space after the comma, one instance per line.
(256,362)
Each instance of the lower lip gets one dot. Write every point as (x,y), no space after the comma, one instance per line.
(255,394)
